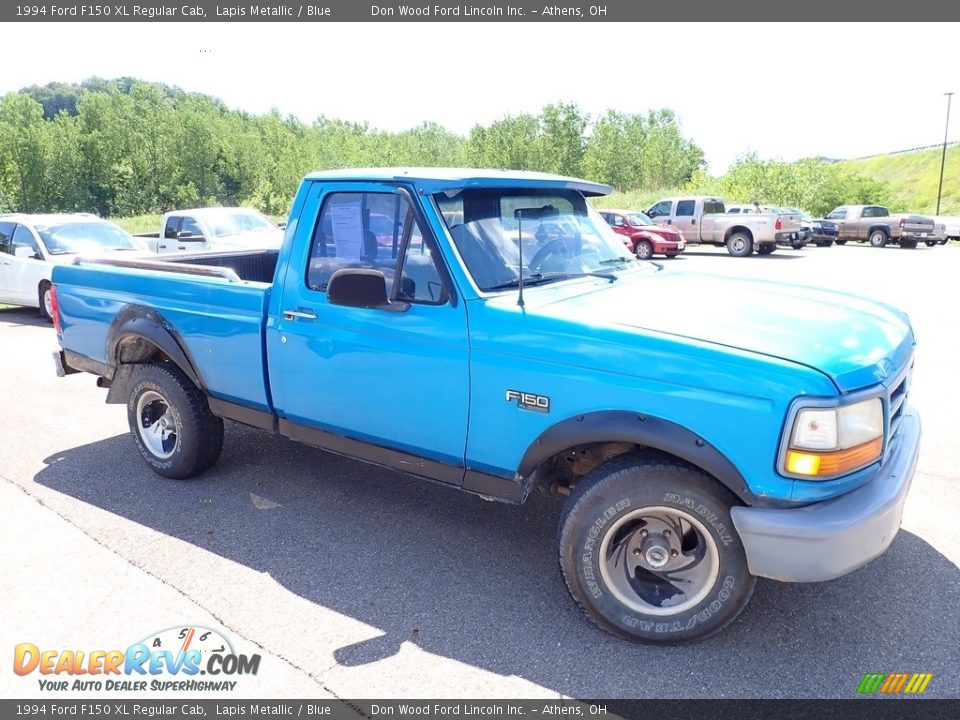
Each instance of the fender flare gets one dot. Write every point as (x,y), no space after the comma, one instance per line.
(880,226)
(134,331)
(641,429)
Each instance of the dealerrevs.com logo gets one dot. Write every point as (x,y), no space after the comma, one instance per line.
(172,659)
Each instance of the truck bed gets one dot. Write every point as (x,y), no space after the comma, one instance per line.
(218,300)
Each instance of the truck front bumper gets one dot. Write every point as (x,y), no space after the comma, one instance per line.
(834,537)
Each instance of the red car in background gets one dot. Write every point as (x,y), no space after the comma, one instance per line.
(644,238)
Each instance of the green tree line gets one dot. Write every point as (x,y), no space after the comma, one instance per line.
(125,147)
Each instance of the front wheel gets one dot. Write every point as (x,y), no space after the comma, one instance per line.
(766,249)
(931,243)
(841,242)
(649,551)
(643,249)
(909,244)
(171,422)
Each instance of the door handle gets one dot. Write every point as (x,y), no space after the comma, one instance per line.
(669,221)
(299,314)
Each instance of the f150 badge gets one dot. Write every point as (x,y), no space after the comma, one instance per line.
(529,401)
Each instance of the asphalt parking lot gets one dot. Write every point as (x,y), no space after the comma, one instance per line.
(356,582)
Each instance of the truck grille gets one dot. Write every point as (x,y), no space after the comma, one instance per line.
(896,403)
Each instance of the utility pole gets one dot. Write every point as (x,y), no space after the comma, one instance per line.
(943,157)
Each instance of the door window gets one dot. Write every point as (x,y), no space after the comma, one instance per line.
(6,237)
(170,231)
(661,209)
(23,238)
(378,231)
(685,208)
(191,227)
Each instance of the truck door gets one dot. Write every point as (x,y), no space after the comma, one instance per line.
(395,379)
(708,212)
(7,292)
(685,219)
(168,236)
(22,267)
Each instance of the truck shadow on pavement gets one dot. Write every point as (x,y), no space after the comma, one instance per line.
(478,582)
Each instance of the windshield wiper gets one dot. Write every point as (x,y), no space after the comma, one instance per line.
(616,260)
(541,278)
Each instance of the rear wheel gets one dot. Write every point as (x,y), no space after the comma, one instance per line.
(649,551)
(739,244)
(171,422)
(45,299)
(931,243)
(878,238)
(643,249)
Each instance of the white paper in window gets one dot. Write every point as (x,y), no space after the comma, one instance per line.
(347,229)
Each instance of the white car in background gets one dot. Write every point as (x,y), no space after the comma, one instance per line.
(30,245)
(215,229)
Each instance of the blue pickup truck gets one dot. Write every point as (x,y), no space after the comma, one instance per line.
(492,335)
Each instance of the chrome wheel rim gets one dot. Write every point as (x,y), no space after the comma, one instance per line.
(739,244)
(644,251)
(47,303)
(659,561)
(157,425)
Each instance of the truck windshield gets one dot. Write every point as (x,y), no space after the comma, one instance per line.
(85,237)
(561,234)
(233,222)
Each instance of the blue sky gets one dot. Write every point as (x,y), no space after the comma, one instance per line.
(784,91)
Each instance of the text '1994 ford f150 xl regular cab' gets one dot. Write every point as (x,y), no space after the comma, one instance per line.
(698,445)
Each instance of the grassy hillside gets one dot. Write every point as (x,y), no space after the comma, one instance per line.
(913,177)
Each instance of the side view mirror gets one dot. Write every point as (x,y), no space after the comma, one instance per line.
(282,224)
(361,288)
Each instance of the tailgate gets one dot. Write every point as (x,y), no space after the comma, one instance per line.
(916,225)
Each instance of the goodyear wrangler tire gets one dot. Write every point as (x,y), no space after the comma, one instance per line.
(649,551)
(171,422)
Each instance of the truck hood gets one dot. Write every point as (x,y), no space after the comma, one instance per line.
(854,341)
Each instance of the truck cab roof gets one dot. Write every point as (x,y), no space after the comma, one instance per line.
(435,180)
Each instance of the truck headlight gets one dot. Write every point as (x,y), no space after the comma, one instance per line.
(828,442)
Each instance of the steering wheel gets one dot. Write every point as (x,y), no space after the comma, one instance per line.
(552,247)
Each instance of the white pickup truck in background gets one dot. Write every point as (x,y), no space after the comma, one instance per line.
(214,228)
(949,226)
(704,219)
